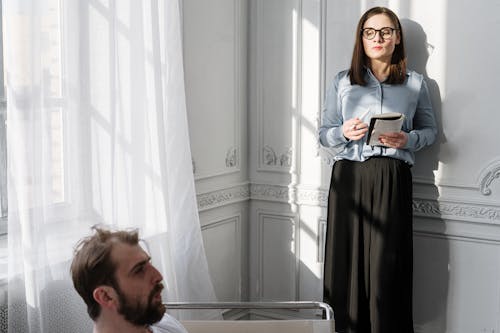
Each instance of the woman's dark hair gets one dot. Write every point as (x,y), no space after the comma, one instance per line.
(359,60)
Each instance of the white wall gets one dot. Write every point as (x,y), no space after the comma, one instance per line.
(262,179)
(215,70)
(285,169)
(457,191)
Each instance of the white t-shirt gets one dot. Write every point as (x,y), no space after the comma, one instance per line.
(168,324)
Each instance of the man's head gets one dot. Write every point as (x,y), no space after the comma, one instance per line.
(112,273)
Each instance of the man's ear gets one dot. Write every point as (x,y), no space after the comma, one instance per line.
(105,296)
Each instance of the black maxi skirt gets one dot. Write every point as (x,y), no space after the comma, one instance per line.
(369,249)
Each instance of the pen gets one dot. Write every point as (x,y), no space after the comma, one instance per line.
(364,114)
(361,118)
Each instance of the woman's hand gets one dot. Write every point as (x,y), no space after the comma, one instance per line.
(354,129)
(394,139)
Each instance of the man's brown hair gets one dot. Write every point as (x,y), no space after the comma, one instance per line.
(92,265)
(359,60)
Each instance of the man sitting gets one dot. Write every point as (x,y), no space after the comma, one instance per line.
(120,286)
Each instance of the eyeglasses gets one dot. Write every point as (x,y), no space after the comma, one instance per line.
(384,33)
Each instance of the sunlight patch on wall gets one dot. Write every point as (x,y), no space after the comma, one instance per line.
(310,85)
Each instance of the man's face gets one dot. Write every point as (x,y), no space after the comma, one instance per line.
(138,285)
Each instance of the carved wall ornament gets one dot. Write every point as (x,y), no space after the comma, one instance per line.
(278,193)
(421,207)
(426,208)
(490,173)
(312,197)
(223,197)
(435,209)
(271,158)
(232,157)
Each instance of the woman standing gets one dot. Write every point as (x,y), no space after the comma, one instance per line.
(368,256)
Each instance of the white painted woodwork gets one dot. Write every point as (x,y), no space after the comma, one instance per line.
(256,72)
(214,41)
(225,259)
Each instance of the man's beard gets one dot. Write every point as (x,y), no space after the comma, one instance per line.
(141,314)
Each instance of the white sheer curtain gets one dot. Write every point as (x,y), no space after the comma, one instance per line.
(97,133)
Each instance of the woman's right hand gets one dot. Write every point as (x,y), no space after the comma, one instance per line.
(354,129)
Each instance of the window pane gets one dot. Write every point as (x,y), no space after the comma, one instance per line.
(51,29)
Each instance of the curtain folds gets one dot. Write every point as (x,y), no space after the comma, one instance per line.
(97,133)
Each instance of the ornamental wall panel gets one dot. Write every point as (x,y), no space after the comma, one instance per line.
(224,261)
(214,59)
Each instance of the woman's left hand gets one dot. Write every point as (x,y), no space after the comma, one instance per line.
(394,139)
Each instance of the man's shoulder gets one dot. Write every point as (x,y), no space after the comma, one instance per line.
(168,324)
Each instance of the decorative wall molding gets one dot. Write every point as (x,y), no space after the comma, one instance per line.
(490,173)
(265,219)
(426,208)
(277,193)
(236,219)
(297,195)
(456,210)
(312,197)
(475,212)
(223,197)
(422,207)
(226,260)
(271,158)
(321,240)
(232,157)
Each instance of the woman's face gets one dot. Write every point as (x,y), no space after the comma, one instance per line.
(380,48)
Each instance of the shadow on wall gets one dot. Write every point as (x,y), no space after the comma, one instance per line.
(431,249)
(418,51)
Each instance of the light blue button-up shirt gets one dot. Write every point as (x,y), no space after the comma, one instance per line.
(345,101)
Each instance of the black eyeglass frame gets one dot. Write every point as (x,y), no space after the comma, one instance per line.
(379,32)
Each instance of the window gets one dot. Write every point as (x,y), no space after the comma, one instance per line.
(53,99)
